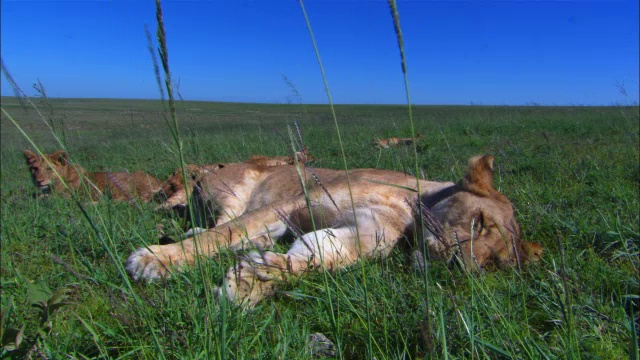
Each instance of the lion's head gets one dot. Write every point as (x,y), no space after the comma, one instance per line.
(174,190)
(175,182)
(477,222)
(47,171)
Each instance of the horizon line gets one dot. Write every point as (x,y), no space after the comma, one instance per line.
(470,103)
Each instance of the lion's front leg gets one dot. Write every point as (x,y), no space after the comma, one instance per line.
(157,261)
(153,262)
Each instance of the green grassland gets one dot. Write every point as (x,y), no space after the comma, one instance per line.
(572,173)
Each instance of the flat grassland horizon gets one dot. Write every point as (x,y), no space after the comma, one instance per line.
(572,173)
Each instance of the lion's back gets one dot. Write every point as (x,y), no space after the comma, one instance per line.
(125,185)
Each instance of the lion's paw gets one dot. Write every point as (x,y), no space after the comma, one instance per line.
(144,264)
(252,279)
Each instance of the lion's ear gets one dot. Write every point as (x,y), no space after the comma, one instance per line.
(30,155)
(533,250)
(479,177)
(61,156)
(307,154)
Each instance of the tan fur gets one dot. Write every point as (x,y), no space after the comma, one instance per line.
(479,178)
(300,157)
(395,141)
(175,188)
(470,221)
(51,172)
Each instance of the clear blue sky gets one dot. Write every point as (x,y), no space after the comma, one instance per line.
(459,52)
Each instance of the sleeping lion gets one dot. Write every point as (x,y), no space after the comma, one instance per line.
(341,220)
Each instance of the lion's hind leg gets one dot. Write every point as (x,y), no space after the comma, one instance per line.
(255,276)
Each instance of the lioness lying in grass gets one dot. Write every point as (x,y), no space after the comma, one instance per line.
(51,172)
(337,224)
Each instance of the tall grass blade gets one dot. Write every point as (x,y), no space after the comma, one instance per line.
(17,92)
(154,58)
(346,169)
(393,7)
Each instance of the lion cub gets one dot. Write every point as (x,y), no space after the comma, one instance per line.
(55,173)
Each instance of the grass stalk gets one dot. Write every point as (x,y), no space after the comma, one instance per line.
(202,266)
(393,7)
(348,180)
(325,276)
(163,52)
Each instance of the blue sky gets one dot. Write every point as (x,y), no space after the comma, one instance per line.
(459,52)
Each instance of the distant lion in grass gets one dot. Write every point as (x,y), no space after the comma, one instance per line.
(395,141)
(50,173)
(340,222)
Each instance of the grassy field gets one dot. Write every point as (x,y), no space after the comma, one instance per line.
(572,173)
